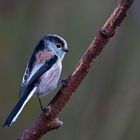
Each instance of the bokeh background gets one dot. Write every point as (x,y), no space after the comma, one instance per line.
(106,106)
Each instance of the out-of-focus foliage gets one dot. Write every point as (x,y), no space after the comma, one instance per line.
(106,106)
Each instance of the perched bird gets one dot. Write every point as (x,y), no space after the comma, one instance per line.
(42,72)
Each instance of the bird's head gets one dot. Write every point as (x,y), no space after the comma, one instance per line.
(55,44)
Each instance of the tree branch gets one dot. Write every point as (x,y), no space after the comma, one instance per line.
(48,120)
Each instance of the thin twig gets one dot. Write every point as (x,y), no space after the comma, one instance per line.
(49,120)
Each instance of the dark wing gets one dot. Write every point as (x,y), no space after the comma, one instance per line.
(43,68)
(30,65)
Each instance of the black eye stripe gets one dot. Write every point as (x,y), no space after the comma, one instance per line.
(55,39)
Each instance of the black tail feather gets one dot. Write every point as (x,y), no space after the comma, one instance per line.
(16,108)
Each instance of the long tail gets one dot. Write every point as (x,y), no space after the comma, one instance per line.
(19,107)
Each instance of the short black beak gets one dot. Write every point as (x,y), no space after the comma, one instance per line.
(66,50)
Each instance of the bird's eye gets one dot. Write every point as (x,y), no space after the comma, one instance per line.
(58,45)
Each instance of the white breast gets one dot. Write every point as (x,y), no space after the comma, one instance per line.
(49,80)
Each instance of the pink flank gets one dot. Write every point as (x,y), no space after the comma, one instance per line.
(43,56)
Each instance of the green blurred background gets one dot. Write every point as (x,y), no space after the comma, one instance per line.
(106,106)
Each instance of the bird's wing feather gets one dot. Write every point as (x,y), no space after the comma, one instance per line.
(29,90)
(39,72)
(30,65)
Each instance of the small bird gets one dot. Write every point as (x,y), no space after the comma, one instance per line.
(41,74)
